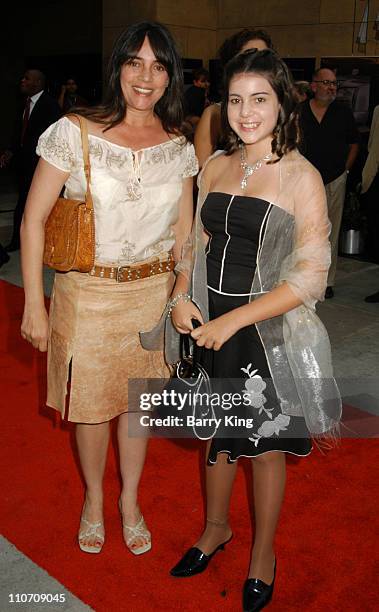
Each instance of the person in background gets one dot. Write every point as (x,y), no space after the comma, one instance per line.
(141,184)
(208,130)
(40,111)
(69,96)
(303,91)
(330,142)
(370,190)
(196,96)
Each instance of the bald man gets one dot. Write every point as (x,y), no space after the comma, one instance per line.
(331,144)
(40,111)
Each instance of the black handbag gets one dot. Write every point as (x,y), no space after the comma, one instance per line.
(190,383)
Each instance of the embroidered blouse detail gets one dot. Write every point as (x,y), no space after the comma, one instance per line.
(129,189)
(53,147)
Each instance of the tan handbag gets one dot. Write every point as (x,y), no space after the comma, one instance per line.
(70,227)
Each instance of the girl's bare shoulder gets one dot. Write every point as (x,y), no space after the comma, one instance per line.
(214,167)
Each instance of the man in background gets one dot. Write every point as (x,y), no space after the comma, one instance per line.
(40,111)
(196,96)
(330,142)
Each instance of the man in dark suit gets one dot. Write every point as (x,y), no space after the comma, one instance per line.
(41,110)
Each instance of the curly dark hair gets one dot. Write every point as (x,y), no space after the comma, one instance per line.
(234,44)
(268,64)
(169,108)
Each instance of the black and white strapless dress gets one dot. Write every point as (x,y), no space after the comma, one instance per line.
(236,225)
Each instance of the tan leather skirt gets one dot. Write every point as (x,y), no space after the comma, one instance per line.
(94,328)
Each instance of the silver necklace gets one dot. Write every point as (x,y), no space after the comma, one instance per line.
(249,170)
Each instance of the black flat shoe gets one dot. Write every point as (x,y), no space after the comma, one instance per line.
(194,561)
(257,594)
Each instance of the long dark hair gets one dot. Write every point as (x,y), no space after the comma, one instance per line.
(234,44)
(169,108)
(268,64)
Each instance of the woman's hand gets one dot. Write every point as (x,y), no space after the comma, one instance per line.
(182,314)
(214,334)
(35,328)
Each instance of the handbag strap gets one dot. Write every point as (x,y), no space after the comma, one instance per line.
(185,346)
(87,165)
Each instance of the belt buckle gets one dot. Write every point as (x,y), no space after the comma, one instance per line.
(120,272)
(127,273)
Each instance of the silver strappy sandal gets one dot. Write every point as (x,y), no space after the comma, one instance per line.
(92,530)
(131,534)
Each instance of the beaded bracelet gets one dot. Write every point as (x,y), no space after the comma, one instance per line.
(175,301)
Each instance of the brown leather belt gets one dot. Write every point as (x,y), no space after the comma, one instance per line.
(125,274)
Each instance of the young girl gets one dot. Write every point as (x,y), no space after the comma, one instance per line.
(263,220)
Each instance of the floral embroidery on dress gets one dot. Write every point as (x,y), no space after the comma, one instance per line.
(176,150)
(269,428)
(56,147)
(254,387)
(157,156)
(115,159)
(96,150)
(133,190)
(164,153)
(128,251)
(192,166)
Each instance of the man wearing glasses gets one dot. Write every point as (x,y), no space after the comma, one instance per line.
(330,142)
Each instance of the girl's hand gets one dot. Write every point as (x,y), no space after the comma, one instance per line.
(182,314)
(35,328)
(214,334)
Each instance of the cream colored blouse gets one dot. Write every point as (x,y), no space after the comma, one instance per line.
(135,193)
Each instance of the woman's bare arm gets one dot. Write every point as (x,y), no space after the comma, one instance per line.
(184,312)
(182,228)
(182,232)
(45,189)
(207,133)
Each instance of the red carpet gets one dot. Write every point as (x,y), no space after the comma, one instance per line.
(326,544)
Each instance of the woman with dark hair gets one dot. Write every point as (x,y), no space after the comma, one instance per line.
(303,91)
(208,130)
(141,184)
(258,259)
(69,97)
